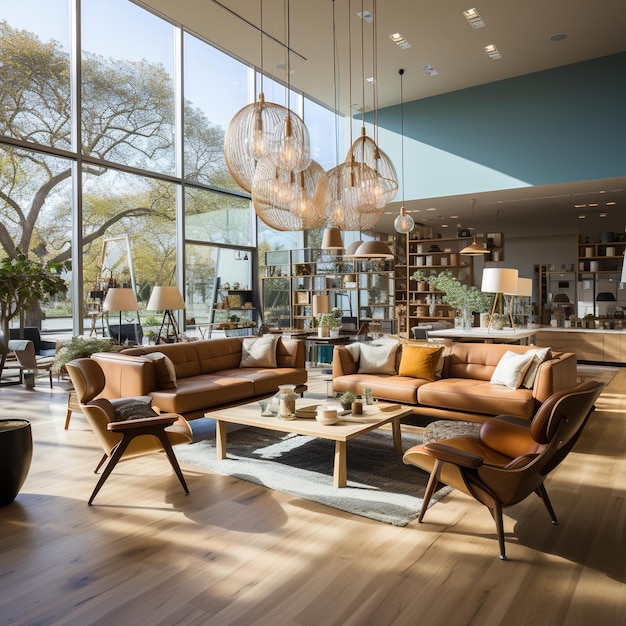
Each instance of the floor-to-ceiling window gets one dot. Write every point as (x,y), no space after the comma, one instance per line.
(122,141)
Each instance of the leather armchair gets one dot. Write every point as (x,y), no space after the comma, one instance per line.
(511,457)
(131,437)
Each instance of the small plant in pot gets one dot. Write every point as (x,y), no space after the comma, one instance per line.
(346,399)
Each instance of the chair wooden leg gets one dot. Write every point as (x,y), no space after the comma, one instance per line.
(119,450)
(115,457)
(430,488)
(167,446)
(543,494)
(102,461)
(68,416)
(496,513)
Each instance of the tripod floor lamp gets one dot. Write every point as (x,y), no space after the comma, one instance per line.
(121,299)
(166,299)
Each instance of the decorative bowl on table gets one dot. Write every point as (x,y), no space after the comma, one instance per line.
(327,415)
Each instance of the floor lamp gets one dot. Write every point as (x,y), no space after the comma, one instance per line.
(166,299)
(499,281)
(121,299)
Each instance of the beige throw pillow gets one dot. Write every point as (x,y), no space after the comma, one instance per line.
(259,351)
(539,356)
(378,359)
(511,369)
(164,369)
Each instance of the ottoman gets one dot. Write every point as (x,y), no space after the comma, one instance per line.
(444,429)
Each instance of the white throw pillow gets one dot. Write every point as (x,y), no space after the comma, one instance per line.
(259,351)
(511,369)
(354,350)
(539,356)
(378,359)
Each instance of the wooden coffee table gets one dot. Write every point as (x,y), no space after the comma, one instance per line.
(348,427)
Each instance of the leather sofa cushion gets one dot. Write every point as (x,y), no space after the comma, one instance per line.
(463,394)
(393,388)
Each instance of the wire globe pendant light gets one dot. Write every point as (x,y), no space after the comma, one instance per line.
(251,133)
(250,136)
(286,200)
(404,223)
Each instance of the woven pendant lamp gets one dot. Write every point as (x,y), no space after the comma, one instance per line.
(250,136)
(352,196)
(287,200)
(365,150)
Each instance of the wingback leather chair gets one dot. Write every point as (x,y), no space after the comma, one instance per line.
(511,457)
(131,437)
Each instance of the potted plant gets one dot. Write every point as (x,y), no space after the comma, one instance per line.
(324,322)
(466,299)
(422,280)
(24,285)
(346,399)
(79,347)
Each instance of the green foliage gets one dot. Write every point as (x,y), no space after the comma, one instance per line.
(327,320)
(25,284)
(347,397)
(80,348)
(459,295)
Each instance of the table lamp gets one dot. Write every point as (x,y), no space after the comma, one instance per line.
(500,281)
(120,299)
(167,299)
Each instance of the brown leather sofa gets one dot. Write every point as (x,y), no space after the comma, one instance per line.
(464,390)
(207,374)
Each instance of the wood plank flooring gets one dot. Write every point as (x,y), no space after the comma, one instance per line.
(235,553)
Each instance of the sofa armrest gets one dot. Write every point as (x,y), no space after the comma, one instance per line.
(343,363)
(290,353)
(555,374)
(126,375)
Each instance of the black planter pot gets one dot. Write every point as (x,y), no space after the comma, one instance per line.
(16,453)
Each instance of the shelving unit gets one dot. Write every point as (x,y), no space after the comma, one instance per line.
(362,289)
(424,305)
(234,302)
(597,271)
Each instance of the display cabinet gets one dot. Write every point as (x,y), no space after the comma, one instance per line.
(362,289)
(432,256)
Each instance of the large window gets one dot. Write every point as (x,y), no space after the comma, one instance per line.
(128,104)
(142,171)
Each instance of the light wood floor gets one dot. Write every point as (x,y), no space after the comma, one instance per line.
(235,553)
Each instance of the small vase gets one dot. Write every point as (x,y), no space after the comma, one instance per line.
(287,402)
(323,331)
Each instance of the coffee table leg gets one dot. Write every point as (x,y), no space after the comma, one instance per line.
(340,475)
(397,434)
(220,439)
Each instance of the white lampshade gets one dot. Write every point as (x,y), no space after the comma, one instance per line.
(321,304)
(165,299)
(374,249)
(120,299)
(524,288)
(499,280)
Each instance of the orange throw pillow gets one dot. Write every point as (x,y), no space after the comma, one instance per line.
(419,362)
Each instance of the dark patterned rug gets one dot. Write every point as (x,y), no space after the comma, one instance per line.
(380,486)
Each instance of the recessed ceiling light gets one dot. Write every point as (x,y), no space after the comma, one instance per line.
(603,215)
(366,16)
(582,216)
(611,203)
(473,17)
(580,206)
(593,204)
(432,208)
(430,70)
(492,52)
(557,37)
(398,39)
(371,80)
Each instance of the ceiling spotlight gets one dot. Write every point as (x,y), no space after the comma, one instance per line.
(366,16)
(473,17)
(430,70)
(557,37)
(399,40)
(492,52)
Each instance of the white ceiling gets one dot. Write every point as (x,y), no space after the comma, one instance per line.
(441,37)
